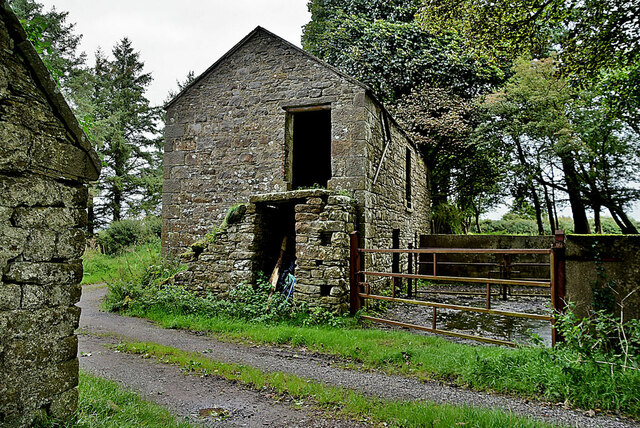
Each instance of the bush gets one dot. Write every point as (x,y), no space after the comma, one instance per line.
(601,338)
(152,291)
(125,233)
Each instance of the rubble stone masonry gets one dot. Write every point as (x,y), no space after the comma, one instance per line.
(228,140)
(44,166)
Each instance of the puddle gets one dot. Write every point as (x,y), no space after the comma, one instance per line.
(215,413)
(519,330)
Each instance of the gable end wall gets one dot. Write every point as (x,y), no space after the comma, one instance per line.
(225,136)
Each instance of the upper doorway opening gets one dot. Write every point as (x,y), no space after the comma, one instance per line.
(309,157)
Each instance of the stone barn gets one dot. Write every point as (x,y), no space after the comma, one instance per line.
(272,157)
(45,163)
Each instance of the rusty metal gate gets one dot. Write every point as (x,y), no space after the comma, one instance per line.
(361,290)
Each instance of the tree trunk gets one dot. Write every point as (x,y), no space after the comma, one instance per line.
(552,223)
(578,211)
(534,195)
(597,224)
(536,204)
(626,226)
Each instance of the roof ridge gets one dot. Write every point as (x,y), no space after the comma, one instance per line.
(243,41)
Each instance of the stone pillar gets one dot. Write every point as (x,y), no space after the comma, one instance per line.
(322,251)
(41,245)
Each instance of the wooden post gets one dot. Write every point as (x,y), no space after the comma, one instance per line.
(410,271)
(435,271)
(558,279)
(433,320)
(488,295)
(355,264)
(506,273)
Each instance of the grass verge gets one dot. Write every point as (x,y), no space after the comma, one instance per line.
(104,403)
(565,374)
(540,373)
(131,262)
(343,401)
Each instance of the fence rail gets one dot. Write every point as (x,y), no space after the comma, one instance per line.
(360,289)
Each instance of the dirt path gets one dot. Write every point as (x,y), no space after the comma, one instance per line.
(276,359)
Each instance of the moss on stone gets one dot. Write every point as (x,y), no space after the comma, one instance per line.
(234,215)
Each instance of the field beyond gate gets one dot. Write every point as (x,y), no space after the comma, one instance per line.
(510,271)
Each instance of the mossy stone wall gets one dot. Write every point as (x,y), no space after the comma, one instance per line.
(43,199)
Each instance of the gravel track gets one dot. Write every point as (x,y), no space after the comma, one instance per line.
(310,366)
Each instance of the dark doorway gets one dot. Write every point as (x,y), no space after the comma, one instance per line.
(311,149)
(275,222)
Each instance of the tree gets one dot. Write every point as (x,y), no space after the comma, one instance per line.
(610,161)
(381,45)
(53,38)
(464,174)
(128,135)
(589,35)
(190,77)
(562,139)
(429,80)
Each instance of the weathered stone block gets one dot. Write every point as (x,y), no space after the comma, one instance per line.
(29,190)
(339,200)
(62,405)
(45,273)
(37,296)
(306,217)
(70,244)
(5,215)
(41,246)
(49,217)
(10,295)
(12,243)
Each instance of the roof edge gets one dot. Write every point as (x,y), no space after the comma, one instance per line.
(244,40)
(49,86)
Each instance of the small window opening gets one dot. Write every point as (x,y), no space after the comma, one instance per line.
(325,238)
(395,244)
(408,176)
(311,149)
(325,290)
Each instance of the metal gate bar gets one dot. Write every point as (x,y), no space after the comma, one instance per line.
(555,283)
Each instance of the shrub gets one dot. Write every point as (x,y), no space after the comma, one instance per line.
(601,338)
(152,291)
(125,233)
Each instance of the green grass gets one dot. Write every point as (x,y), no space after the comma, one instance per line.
(131,262)
(104,403)
(341,401)
(532,372)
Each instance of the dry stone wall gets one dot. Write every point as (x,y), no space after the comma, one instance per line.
(322,221)
(225,136)
(44,165)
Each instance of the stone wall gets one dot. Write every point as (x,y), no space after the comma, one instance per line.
(225,136)
(45,161)
(320,225)
(386,204)
(608,265)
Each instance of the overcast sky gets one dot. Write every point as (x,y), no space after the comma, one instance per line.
(174,37)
